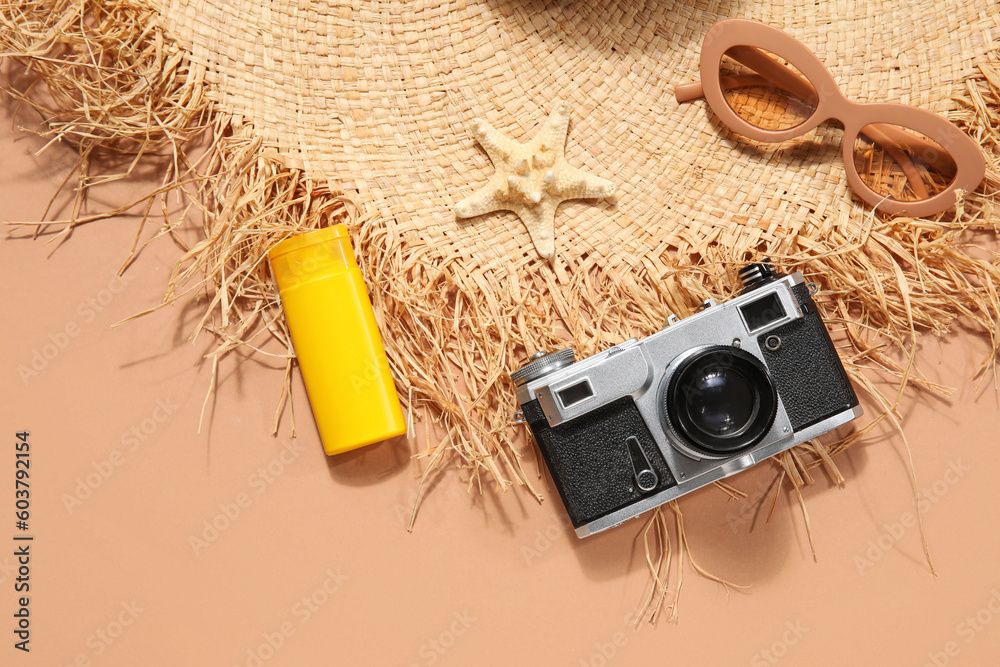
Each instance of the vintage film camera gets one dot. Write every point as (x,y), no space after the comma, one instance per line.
(644,422)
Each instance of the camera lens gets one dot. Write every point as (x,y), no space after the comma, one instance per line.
(721,401)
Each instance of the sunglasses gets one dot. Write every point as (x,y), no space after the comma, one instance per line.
(767,86)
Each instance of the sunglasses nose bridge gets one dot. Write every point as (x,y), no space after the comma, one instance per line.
(828,93)
(849,114)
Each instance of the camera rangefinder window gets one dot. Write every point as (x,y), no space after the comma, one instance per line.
(581,391)
(762,312)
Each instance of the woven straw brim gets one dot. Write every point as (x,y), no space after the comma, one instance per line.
(379,96)
(376,99)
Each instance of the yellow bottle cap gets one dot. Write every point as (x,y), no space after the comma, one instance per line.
(312,255)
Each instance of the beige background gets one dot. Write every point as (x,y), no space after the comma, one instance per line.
(483,580)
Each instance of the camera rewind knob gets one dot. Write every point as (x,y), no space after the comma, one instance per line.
(542,364)
(756,274)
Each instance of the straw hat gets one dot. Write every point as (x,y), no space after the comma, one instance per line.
(379,97)
(375,101)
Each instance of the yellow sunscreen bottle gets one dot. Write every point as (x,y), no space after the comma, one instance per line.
(336,340)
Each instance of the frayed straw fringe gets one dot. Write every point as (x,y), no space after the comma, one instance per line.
(105,78)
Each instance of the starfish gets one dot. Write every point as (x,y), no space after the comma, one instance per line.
(531,179)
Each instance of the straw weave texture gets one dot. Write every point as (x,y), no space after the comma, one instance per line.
(375,99)
(323,112)
(378,96)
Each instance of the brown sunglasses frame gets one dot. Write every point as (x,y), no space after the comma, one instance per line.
(832,104)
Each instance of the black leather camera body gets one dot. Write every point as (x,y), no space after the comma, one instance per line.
(646,421)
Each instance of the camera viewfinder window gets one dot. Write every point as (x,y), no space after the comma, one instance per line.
(762,312)
(580,391)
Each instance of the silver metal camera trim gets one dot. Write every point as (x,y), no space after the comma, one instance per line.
(756,456)
(630,369)
(547,387)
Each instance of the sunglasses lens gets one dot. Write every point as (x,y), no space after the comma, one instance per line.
(902,164)
(765,90)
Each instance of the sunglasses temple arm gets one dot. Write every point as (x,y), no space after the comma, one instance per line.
(877,135)
(755,59)
(894,141)
(685,92)
(775,72)
(902,141)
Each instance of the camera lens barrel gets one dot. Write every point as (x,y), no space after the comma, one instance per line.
(720,401)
